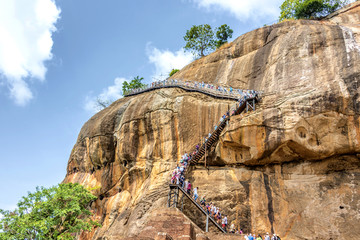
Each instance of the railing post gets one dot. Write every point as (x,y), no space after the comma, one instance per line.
(182,202)
(169,198)
(176,196)
(205,153)
(207,223)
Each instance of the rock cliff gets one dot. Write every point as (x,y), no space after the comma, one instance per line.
(290,167)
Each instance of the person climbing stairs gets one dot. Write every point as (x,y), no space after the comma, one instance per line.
(246,104)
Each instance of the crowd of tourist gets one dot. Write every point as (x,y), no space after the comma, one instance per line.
(206,87)
(178,175)
(215,212)
(259,237)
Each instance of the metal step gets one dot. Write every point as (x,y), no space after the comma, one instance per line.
(174,188)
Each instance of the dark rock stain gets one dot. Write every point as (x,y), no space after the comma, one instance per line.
(245,215)
(149,133)
(173,134)
(246,185)
(261,60)
(135,139)
(270,201)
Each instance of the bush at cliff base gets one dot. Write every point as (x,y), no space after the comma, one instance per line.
(59,212)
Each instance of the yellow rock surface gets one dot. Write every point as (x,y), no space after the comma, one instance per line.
(290,167)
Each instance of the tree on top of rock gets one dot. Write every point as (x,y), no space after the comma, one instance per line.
(201,39)
(133,84)
(223,33)
(308,9)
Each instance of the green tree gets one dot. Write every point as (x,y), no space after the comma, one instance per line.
(199,39)
(223,33)
(101,104)
(133,84)
(288,9)
(297,9)
(173,71)
(59,212)
(309,9)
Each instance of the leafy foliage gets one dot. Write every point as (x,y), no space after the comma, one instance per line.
(288,9)
(296,9)
(199,39)
(223,33)
(58,212)
(309,9)
(173,71)
(133,84)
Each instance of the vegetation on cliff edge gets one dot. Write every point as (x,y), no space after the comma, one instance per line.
(173,71)
(201,39)
(308,9)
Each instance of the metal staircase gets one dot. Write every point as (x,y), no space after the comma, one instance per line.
(177,193)
(176,197)
(246,105)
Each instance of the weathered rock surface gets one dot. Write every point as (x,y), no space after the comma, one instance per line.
(291,167)
(173,223)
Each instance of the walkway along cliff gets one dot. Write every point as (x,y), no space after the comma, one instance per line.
(291,167)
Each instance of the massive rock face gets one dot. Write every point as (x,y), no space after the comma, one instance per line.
(290,167)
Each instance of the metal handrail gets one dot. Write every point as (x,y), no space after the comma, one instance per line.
(206,88)
(220,123)
(236,109)
(198,206)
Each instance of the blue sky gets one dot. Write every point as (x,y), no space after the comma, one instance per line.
(56,57)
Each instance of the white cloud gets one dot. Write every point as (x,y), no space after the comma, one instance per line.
(9,207)
(244,9)
(19,91)
(26,27)
(108,95)
(165,60)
